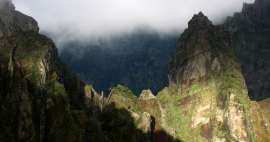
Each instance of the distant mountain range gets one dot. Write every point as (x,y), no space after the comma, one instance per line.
(138,60)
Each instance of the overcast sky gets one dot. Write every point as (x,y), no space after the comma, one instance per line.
(85,18)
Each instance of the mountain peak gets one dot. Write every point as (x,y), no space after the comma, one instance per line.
(6,4)
(13,21)
(199,21)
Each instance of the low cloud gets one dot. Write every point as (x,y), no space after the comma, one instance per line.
(67,19)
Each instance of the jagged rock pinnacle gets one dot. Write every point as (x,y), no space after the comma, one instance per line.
(6,4)
(199,21)
(13,21)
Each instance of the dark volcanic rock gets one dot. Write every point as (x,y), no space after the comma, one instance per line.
(14,21)
(199,22)
(194,58)
(35,85)
(250,31)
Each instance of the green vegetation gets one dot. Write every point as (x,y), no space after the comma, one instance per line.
(232,82)
(64,122)
(124,98)
(31,46)
(194,89)
(88,88)
(123,91)
(180,108)
(179,113)
(34,75)
(194,110)
(55,88)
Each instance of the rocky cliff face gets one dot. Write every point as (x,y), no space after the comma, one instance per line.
(37,104)
(41,101)
(13,21)
(250,31)
(211,97)
(207,99)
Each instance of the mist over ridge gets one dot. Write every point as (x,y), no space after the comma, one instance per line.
(89,19)
(127,42)
(138,60)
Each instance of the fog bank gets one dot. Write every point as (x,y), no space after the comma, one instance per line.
(79,19)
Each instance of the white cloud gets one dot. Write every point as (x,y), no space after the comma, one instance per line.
(86,18)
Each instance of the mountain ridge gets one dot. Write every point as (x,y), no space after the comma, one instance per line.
(205,100)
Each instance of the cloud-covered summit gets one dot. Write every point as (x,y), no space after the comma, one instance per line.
(84,18)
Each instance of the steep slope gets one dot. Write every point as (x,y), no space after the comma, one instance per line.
(36,104)
(41,101)
(208,92)
(137,118)
(207,99)
(250,31)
